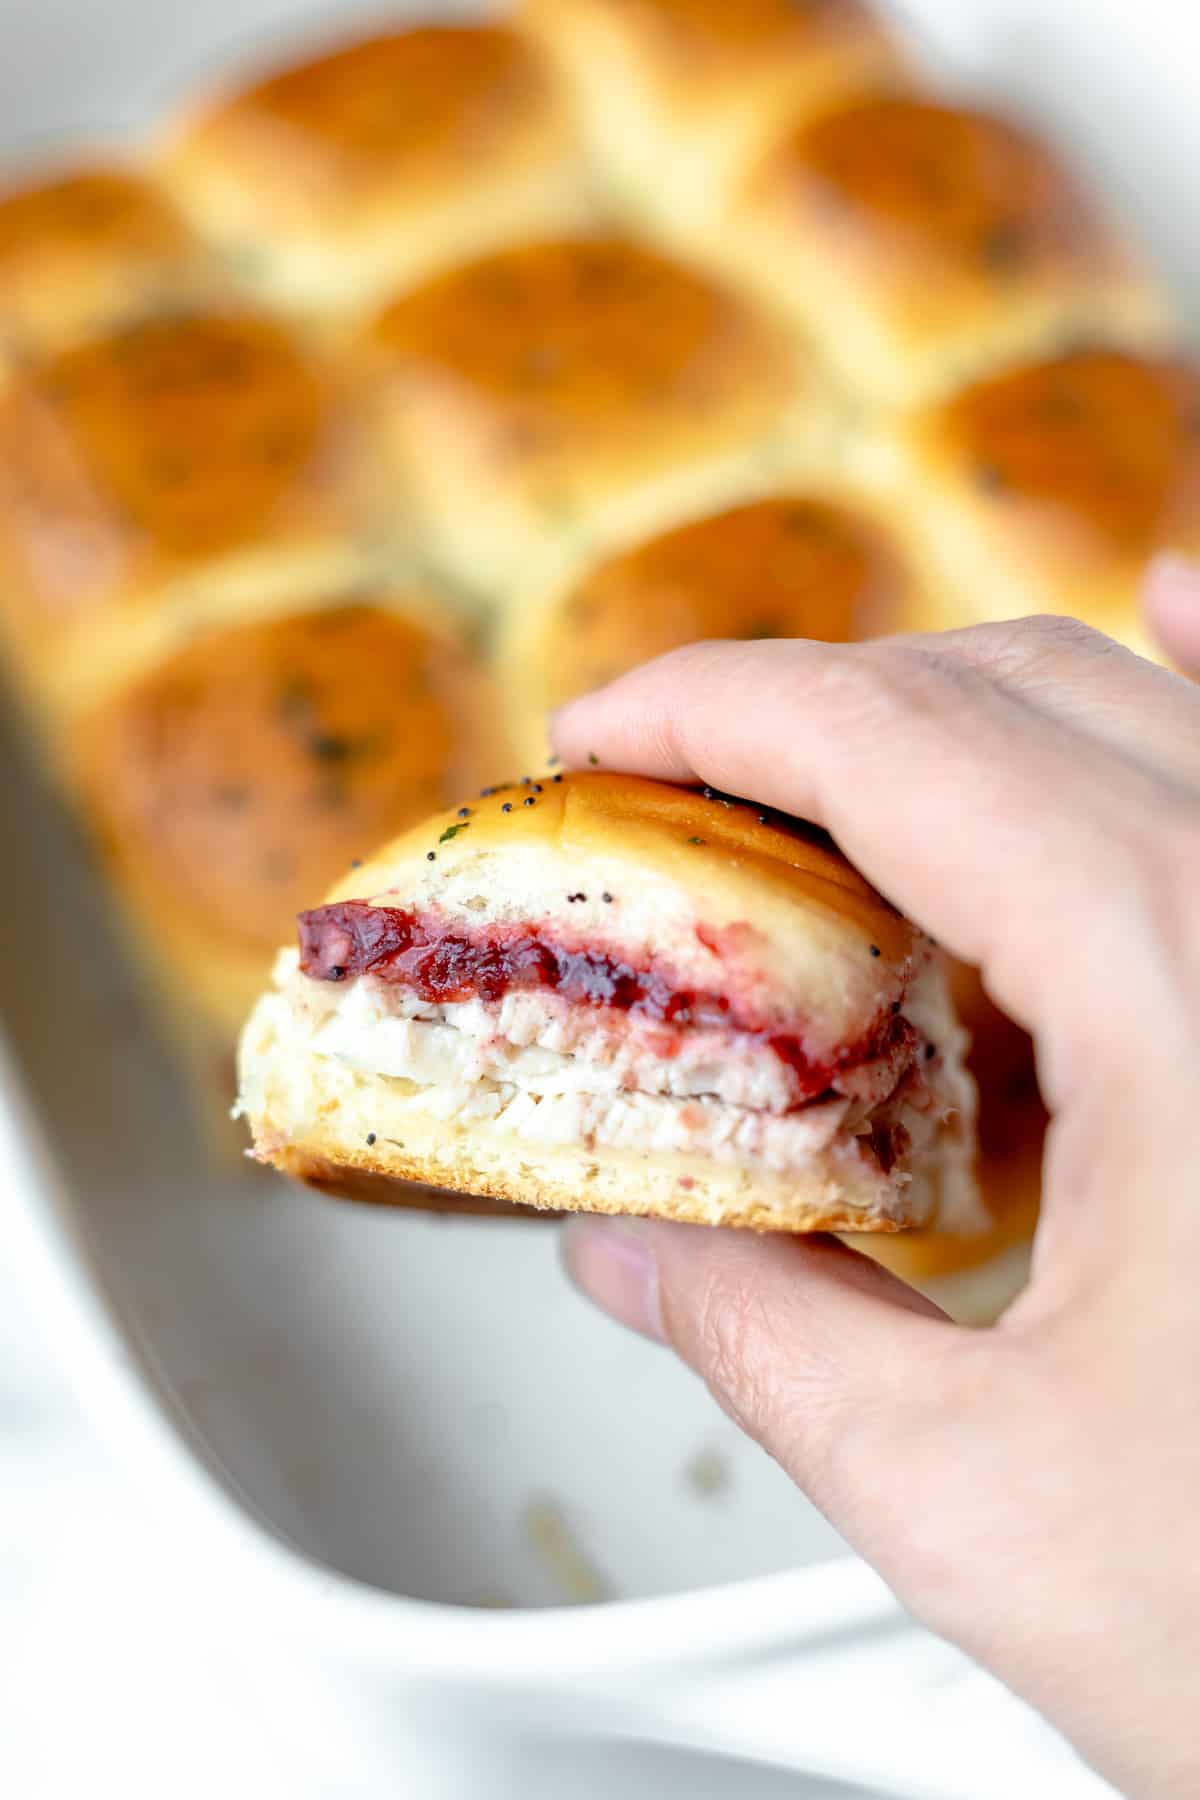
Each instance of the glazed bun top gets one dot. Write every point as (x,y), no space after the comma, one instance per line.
(912,186)
(1097,450)
(86,247)
(788,566)
(576,349)
(162,444)
(379,120)
(236,779)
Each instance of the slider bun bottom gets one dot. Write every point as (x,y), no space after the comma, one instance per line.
(974,1295)
(369,1188)
(290,1094)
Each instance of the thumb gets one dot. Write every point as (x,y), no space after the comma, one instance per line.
(825,1359)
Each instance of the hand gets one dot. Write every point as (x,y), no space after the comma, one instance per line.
(1030,794)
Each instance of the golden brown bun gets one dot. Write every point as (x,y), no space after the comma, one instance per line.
(1047,488)
(787,566)
(372,1189)
(556,392)
(335,180)
(674,97)
(168,473)
(976,1274)
(86,249)
(710,897)
(921,243)
(231,783)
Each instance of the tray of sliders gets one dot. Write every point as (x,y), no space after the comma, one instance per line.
(388,390)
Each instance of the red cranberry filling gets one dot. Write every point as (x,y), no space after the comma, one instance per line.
(440,964)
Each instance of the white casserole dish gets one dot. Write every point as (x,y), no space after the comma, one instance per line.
(393,1450)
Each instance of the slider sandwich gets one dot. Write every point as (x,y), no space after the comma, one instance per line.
(594,992)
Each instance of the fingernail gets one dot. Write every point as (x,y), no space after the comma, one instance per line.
(613,1262)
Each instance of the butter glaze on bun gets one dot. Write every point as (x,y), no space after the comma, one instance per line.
(592,991)
(560,394)
(920,244)
(782,567)
(174,471)
(88,248)
(1054,483)
(338,179)
(229,783)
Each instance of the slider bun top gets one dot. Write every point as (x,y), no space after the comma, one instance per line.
(342,175)
(527,391)
(569,344)
(730,899)
(1054,483)
(921,242)
(920,185)
(231,783)
(137,465)
(1096,452)
(87,247)
(788,566)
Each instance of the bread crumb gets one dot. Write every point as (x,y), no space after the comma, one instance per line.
(550,1536)
(708,1474)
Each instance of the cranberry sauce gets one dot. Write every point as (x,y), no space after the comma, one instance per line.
(442,964)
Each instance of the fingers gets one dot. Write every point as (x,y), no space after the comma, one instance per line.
(1172,605)
(1017,840)
(1096,688)
(819,1355)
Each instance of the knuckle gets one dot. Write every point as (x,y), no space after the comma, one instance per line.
(878,680)
(1059,631)
(1019,646)
(917,678)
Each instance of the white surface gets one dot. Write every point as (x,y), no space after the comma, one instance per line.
(391,1394)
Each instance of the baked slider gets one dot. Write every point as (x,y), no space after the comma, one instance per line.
(674,97)
(596,992)
(921,243)
(789,565)
(89,247)
(231,782)
(1048,487)
(174,471)
(334,180)
(563,392)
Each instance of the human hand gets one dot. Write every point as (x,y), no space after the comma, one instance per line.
(1030,794)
